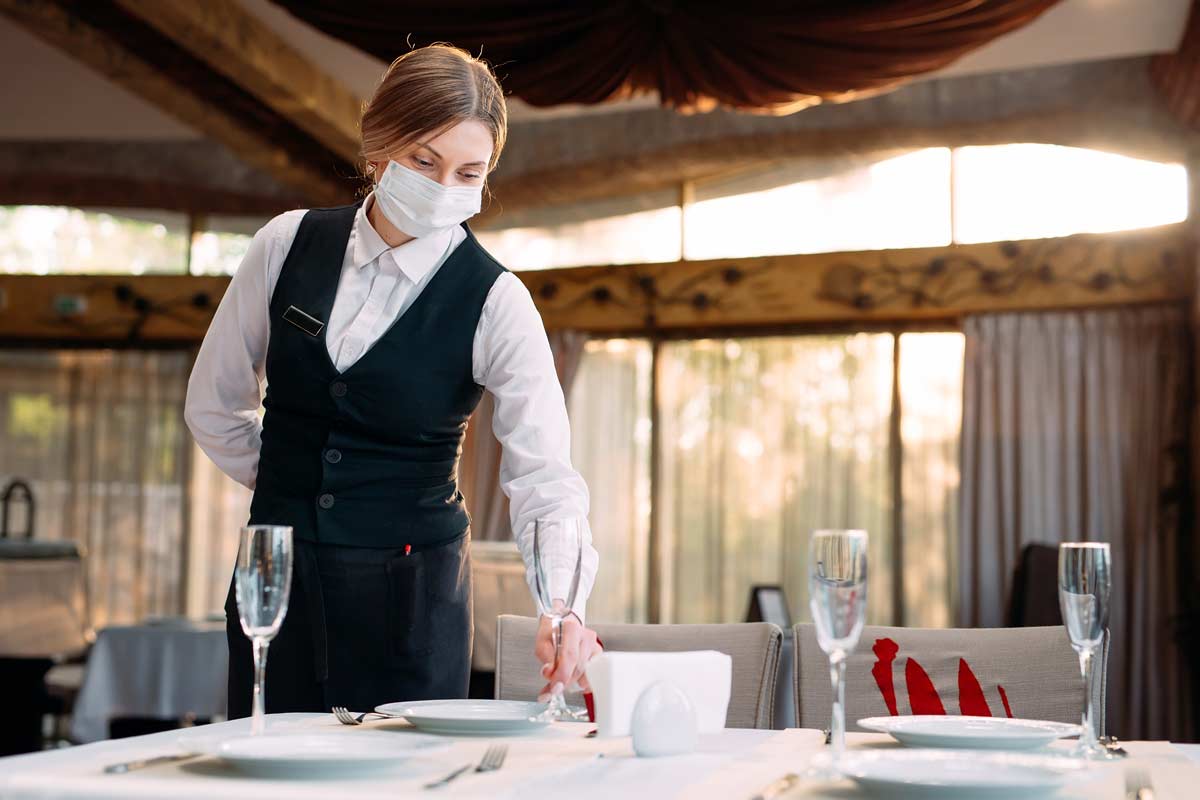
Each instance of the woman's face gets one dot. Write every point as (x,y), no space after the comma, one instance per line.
(458,156)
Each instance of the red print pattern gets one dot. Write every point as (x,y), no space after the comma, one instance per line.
(923,697)
(885,654)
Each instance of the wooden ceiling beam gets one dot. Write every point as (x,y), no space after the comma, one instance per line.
(120,48)
(199,177)
(222,34)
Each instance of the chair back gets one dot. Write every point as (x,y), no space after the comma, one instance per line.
(1033,599)
(753,646)
(1032,673)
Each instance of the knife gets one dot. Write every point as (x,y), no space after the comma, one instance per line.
(129,766)
(778,787)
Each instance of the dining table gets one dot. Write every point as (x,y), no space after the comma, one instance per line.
(557,761)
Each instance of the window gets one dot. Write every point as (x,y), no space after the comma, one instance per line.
(762,440)
(633,238)
(903,201)
(218,249)
(45,240)
(1028,191)
(922,198)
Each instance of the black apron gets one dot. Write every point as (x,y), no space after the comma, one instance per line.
(365,626)
(363,465)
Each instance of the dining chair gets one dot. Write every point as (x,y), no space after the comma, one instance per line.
(1031,673)
(753,646)
(1033,596)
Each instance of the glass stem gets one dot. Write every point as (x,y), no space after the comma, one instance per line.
(556,698)
(837,726)
(556,635)
(258,721)
(1088,737)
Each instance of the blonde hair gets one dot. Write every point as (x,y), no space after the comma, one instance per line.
(426,91)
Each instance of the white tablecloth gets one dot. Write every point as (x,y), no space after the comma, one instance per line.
(166,670)
(559,763)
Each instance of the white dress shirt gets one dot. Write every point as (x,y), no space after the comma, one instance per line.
(511,358)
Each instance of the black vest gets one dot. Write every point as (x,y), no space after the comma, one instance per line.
(369,456)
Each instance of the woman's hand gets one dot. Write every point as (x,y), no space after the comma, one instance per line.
(579,645)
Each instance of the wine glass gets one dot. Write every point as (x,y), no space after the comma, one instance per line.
(1084,580)
(557,559)
(262,582)
(837,597)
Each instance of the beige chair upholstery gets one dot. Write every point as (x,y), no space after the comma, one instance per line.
(753,646)
(497,587)
(1036,667)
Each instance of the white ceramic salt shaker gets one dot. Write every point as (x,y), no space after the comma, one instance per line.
(664,721)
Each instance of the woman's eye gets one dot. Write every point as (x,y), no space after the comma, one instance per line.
(471,176)
(422,163)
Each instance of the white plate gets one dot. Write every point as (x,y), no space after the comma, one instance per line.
(980,733)
(470,717)
(316,755)
(963,774)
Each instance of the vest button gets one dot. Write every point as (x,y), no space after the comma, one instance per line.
(333,456)
(338,389)
(325,501)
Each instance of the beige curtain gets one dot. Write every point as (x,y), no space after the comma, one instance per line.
(219,507)
(1075,428)
(479,469)
(100,436)
(610,446)
(764,440)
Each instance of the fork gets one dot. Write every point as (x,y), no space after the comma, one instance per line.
(346,718)
(493,759)
(1138,785)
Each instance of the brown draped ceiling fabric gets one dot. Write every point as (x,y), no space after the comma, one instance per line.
(772,57)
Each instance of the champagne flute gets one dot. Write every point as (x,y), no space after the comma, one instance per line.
(837,597)
(262,582)
(557,560)
(1084,580)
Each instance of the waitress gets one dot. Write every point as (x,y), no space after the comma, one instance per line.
(377,327)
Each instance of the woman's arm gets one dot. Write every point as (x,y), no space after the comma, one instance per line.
(514,362)
(223,393)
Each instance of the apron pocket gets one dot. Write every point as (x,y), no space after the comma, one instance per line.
(407,608)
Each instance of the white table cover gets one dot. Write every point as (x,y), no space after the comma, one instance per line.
(558,763)
(166,670)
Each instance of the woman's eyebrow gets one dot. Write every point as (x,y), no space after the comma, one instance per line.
(439,155)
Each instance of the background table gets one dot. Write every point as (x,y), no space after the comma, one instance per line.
(43,618)
(557,764)
(166,670)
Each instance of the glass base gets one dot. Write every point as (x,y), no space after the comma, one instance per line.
(822,767)
(564,713)
(1093,752)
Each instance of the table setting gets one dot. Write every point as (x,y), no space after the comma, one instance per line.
(654,728)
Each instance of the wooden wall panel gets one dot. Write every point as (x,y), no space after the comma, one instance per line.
(867,288)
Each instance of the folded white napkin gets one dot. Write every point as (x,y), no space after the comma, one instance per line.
(618,679)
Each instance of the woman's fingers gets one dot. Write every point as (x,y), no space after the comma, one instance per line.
(578,646)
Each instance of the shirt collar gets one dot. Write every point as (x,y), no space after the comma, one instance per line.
(415,258)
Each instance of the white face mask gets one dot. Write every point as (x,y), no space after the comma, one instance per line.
(420,206)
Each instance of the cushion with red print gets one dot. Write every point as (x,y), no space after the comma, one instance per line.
(1032,673)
